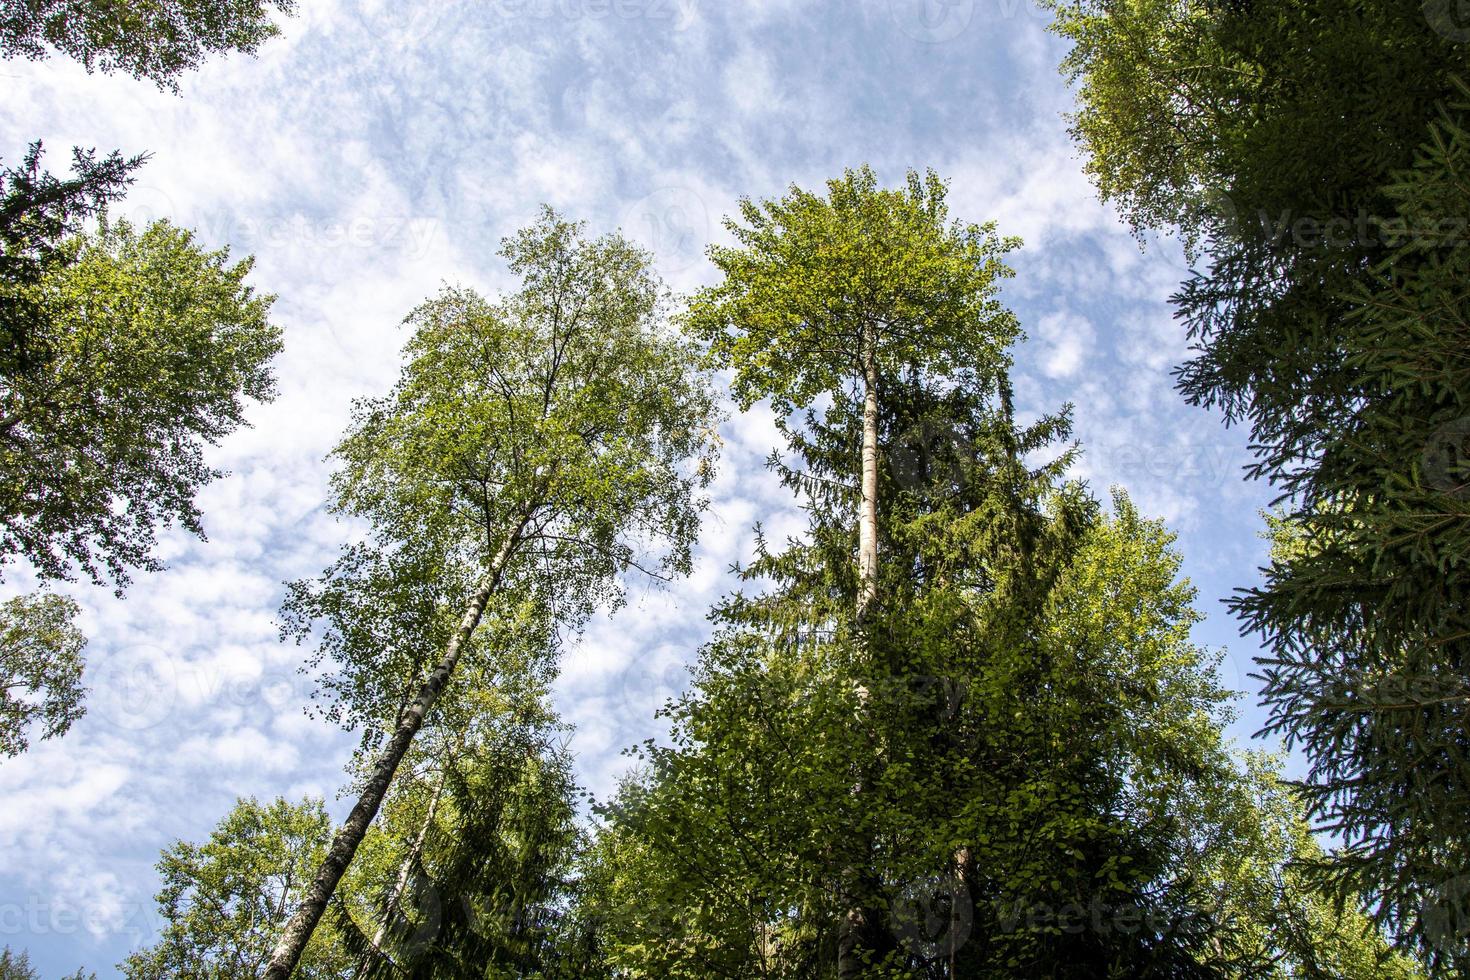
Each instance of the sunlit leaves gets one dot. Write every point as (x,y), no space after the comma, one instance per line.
(40,669)
(145,348)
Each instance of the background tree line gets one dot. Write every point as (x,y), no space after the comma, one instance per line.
(958,728)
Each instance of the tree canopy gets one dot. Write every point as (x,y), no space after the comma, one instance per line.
(144,347)
(1314,154)
(534,451)
(224,899)
(157,40)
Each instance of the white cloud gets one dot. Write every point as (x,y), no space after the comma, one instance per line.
(381,149)
(1067,340)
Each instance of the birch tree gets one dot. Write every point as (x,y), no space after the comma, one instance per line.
(534,450)
(223,898)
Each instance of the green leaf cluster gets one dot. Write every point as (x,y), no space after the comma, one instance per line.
(154,39)
(40,669)
(224,899)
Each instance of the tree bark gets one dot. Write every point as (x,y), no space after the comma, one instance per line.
(850,936)
(868,508)
(344,846)
(404,871)
(855,932)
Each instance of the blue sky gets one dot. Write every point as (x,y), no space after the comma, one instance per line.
(377,150)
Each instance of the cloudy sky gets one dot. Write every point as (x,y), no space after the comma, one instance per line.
(371,154)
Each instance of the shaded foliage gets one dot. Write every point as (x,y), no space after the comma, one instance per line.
(1315,153)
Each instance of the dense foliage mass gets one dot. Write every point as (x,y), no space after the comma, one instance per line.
(224,899)
(144,348)
(993,751)
(1315,152)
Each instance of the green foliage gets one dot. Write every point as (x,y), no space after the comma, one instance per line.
(485,828)
(225,899)
(39,212)
(566,419)
(811,275)
(1318,150)
(144,348)
(15,966)
(40,668)
(534,451)
(1026,687)
(1217,119)
(154,39)
(1258,871)
(1015,768)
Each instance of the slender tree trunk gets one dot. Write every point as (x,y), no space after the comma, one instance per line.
(964,865)
(404,871)
(855,932)
(868,512)
(298,931)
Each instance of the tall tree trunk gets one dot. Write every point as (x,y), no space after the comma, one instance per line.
(298,931)
(857,927)
(404,871)
(868,508)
